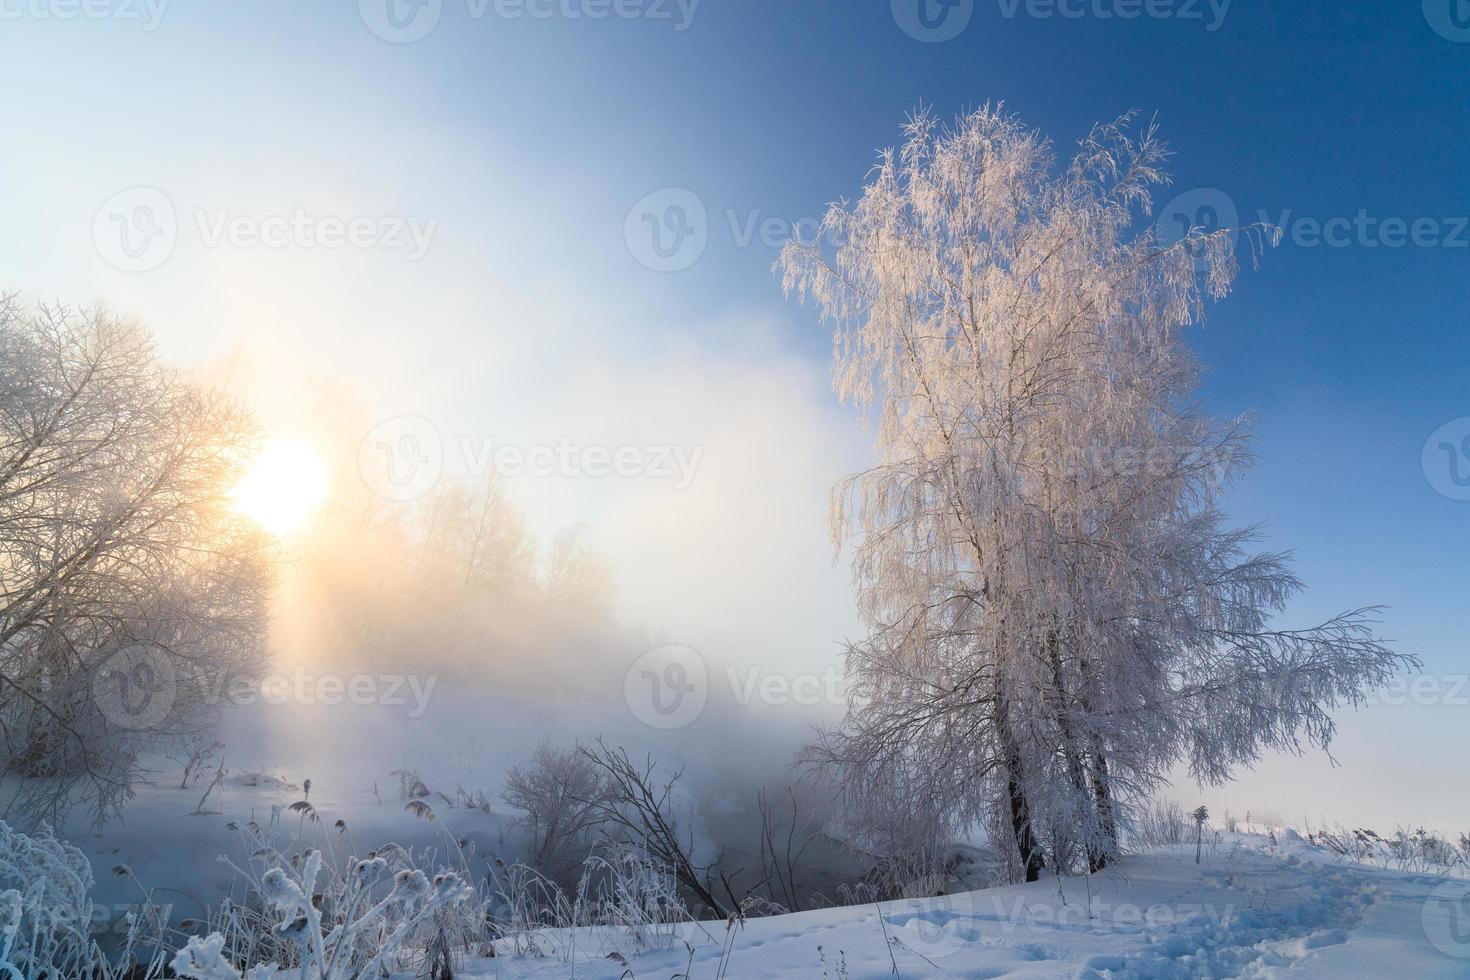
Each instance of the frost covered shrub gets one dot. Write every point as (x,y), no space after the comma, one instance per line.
(203,959)
(313,922)
(901,830)
(626,897)
(46,915)
(562,793)
(45,908)
(1416,850)
(632,891)
(410,784)
(1162,824)
(1422,850)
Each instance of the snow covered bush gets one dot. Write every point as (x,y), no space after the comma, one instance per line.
(47,914)
(314,922)
(1160,824)
(645,807)
(1416,850)
(560,792)
(46,911)
(203,959)
(626,897)
(903,832)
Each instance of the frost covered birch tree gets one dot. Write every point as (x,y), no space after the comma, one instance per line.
(1058,610)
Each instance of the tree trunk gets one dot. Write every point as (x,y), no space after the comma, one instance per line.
(1106,813)
(1031,859)
(1020,809)
(1102,793)
(1093,826)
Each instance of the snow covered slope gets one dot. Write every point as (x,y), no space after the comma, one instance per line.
(1256,906)
(1244,912)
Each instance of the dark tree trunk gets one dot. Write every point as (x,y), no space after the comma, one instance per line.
(1094,830)
(1031,859)
(1027,846)
(1102,794)
(1107,815)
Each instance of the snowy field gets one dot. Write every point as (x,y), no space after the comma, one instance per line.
(1265,903)
(1243,912)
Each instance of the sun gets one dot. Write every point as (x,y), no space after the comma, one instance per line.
(283,486)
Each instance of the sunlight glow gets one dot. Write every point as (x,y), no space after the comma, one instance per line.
(283,487)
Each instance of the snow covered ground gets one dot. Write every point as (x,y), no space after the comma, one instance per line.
(1256,906)
(1245,911)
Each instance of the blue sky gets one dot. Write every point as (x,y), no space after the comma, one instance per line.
(527,140)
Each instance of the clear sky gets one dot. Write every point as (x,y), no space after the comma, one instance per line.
(517,138)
